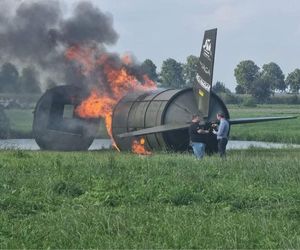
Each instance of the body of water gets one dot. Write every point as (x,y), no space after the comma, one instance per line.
(98,144)
(30,144)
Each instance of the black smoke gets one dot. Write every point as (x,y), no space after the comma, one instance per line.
(88,24)
(26,34)
(37,33)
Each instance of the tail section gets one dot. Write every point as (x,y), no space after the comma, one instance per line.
(204,77)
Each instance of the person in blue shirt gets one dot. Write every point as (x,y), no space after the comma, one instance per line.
(197,137)
(222,134)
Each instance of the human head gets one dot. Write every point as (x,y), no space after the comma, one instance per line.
(220,116)
(196,118)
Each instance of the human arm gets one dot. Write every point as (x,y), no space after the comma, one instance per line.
(202,131)
(221,129)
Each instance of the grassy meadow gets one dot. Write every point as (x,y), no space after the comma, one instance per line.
(20,121)
(287,131)
(105,199)
(21,124)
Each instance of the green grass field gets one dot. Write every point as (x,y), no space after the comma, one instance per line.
(21,123)
(287,131)
(118,200)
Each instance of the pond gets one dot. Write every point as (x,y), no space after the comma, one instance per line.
(98,144)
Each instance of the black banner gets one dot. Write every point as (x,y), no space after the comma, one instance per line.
(204,76)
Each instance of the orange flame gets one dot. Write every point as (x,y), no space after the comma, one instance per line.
(138,147)
(84,56)
(100,103)
(126,59)
(97,106)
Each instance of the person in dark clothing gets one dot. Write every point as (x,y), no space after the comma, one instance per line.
(197,137)
(222,134)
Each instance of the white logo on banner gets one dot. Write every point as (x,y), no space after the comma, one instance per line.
(207,49)
(205,68)
(203,83)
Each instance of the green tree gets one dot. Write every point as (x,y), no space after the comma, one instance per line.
(272,73)
(172,74)
(149,68)
(245,73)
(9,78)
(190,70)
(239,89)
(293,81)
(261,90)
(29,81)
(219,87)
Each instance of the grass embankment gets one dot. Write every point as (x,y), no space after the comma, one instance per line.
(21,124)
(118,200)
(20,121)
(287,131)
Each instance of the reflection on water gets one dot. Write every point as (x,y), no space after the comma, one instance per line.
(258,144)
(30,144)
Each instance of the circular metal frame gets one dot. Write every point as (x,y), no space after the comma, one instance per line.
(53,130)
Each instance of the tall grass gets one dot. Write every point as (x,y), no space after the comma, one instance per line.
(112,200)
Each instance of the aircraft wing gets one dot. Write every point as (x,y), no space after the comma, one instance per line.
(172,127)
(259,119)
(156,129)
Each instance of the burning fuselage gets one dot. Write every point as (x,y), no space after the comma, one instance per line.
(138,116)
(109,79)
(159,109)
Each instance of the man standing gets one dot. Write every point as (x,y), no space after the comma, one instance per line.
(197,137)
(222,134)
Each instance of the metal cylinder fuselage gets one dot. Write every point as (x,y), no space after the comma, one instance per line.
(55,124)
(140,110)
(53,130)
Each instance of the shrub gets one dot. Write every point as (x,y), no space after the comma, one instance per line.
(249,102)
(285,99)
(230,98)
(4,125)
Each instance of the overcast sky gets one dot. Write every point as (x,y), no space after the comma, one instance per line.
(260,30)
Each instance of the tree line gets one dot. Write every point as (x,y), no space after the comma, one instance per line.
(11,81)
(260,83)
(263,82)
(173,74)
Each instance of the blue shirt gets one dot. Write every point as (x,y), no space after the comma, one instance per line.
(223,129)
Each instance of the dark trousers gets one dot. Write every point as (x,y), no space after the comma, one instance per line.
(222,146)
